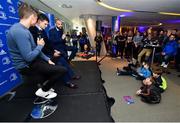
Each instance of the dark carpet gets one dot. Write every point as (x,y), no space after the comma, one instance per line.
(86,104)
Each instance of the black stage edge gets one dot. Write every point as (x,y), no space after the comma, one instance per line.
(88,103)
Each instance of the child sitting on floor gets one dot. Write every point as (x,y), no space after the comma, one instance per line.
(144,72)
(140,73)
(87,52)
(149,92)
(131,66)
(160,82)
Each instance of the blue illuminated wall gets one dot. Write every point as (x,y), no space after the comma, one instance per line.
(51,22)
(9,77)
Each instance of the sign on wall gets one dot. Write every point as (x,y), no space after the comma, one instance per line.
(9,77)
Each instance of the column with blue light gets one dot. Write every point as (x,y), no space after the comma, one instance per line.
(116,21)
(115,27)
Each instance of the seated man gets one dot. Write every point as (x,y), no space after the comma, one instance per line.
(146,49)
(38,31)
(169,51)
(58,41)
(27,57)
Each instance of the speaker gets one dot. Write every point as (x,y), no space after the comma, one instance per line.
(98,25)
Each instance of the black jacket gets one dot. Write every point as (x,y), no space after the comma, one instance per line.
(47,49)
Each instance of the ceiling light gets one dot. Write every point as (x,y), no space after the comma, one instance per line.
(168,13)
(112,8)
(122,16)
(126,10)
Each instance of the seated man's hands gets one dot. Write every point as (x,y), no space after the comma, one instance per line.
(40,42)
(51,63)
(57,53)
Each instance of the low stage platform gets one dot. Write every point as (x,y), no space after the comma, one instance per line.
(88,103)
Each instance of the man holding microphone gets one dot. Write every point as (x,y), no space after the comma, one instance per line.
(27,57)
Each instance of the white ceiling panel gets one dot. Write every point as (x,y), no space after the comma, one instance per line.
(75,8)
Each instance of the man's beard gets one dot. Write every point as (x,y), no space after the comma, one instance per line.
(60,28)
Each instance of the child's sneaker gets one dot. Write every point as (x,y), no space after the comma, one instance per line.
(134,75)
(165,66)
(163,63)
(118,73)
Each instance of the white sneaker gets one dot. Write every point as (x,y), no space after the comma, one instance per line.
(165,66)
(45,94)
(163,63)
(117,74)
(52,90)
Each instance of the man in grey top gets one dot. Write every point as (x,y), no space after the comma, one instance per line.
(27,56)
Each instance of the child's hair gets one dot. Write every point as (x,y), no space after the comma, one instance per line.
(146,63)
(158,71)
(152,79)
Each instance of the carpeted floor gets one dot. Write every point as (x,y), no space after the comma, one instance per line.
(119,86)
(86,104)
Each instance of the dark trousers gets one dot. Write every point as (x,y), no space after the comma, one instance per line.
(120,48)
(128,50)
(73,52)
(132,73)
(98,49)
(51,72)
(178,59)
(81,47)
(167,58)
(63,62)
(163,58)
(152,99)
(136,51)
(70,73)
(75,43)
(64,50)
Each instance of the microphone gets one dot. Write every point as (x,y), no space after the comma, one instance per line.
(39,35)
